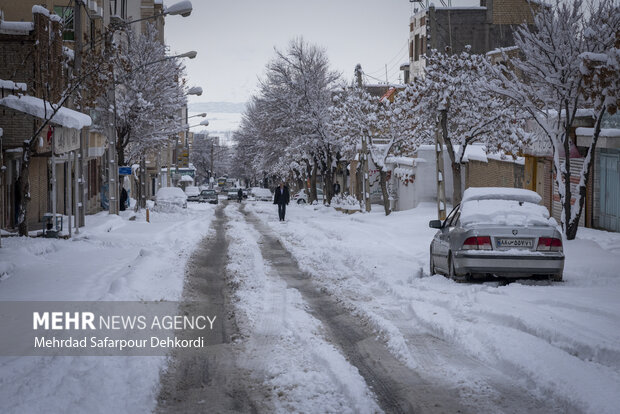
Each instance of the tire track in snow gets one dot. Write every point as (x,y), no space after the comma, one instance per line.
(398,389)
(208,380)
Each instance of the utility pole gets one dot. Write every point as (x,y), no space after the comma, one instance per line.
(211,164)
(364,152)
(441,183)
(80,155)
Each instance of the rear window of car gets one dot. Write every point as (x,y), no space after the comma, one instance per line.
(503,212)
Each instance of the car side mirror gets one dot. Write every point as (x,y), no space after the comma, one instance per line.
(435,224)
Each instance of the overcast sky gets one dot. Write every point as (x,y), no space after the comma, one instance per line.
(235,38)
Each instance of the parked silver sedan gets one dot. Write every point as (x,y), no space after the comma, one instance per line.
(501,232)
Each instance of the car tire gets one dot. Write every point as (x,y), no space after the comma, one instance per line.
(301,201)
(556,277)
(452,272)
(431,263)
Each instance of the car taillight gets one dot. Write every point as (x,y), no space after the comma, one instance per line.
(549,244)
(477,243)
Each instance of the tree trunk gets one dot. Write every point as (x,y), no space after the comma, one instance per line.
(457,191)
(329,181)
(24,189)
(383,183)
(566,203)
(573,225)
(312,197)
(457,194)
(120,151)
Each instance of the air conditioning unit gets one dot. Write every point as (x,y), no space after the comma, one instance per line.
(99,14)
(92,6)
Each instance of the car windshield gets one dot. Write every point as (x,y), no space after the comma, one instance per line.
(503,212)
(208,192)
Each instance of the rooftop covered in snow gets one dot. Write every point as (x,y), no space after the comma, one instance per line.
(42,109)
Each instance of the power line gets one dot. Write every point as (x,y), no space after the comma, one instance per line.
(398,54)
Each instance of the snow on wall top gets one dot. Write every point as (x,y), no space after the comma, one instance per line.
(42,10)
(16,28)
(38,107)
(605,132)
(503,212)
(402,161)
(13,86)
(502,49)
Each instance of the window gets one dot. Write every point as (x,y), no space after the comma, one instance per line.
(66,14)
(416,45)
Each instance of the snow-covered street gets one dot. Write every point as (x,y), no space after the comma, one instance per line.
(331,313)
(113,259)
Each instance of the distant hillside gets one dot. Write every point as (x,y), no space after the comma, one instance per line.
(218,107)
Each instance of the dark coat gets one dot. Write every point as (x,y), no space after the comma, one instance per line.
(283,198)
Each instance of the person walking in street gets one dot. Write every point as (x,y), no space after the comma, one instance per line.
(239,195)
(124,195)
(336,188)
(281,197)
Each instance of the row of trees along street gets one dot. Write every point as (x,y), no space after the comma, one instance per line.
(305,118)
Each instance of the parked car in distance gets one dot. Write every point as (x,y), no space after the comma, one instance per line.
(168,198)
(208,196)
(498,232)
(232,193)
(193,193)
(302,198)
(262,194)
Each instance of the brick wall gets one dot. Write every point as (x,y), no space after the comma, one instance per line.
(36,60)
(508,12)
(494,174)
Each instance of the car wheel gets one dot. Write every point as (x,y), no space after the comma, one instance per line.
(432,263)
(452,272)
(301,201)
(556,277)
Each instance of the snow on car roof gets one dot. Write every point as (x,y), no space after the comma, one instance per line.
(192,190)
(261,191)
(504,212)
(168,193)
(501,193)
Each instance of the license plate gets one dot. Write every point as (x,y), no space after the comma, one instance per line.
(516,243)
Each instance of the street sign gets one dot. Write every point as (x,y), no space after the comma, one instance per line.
(124,170)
